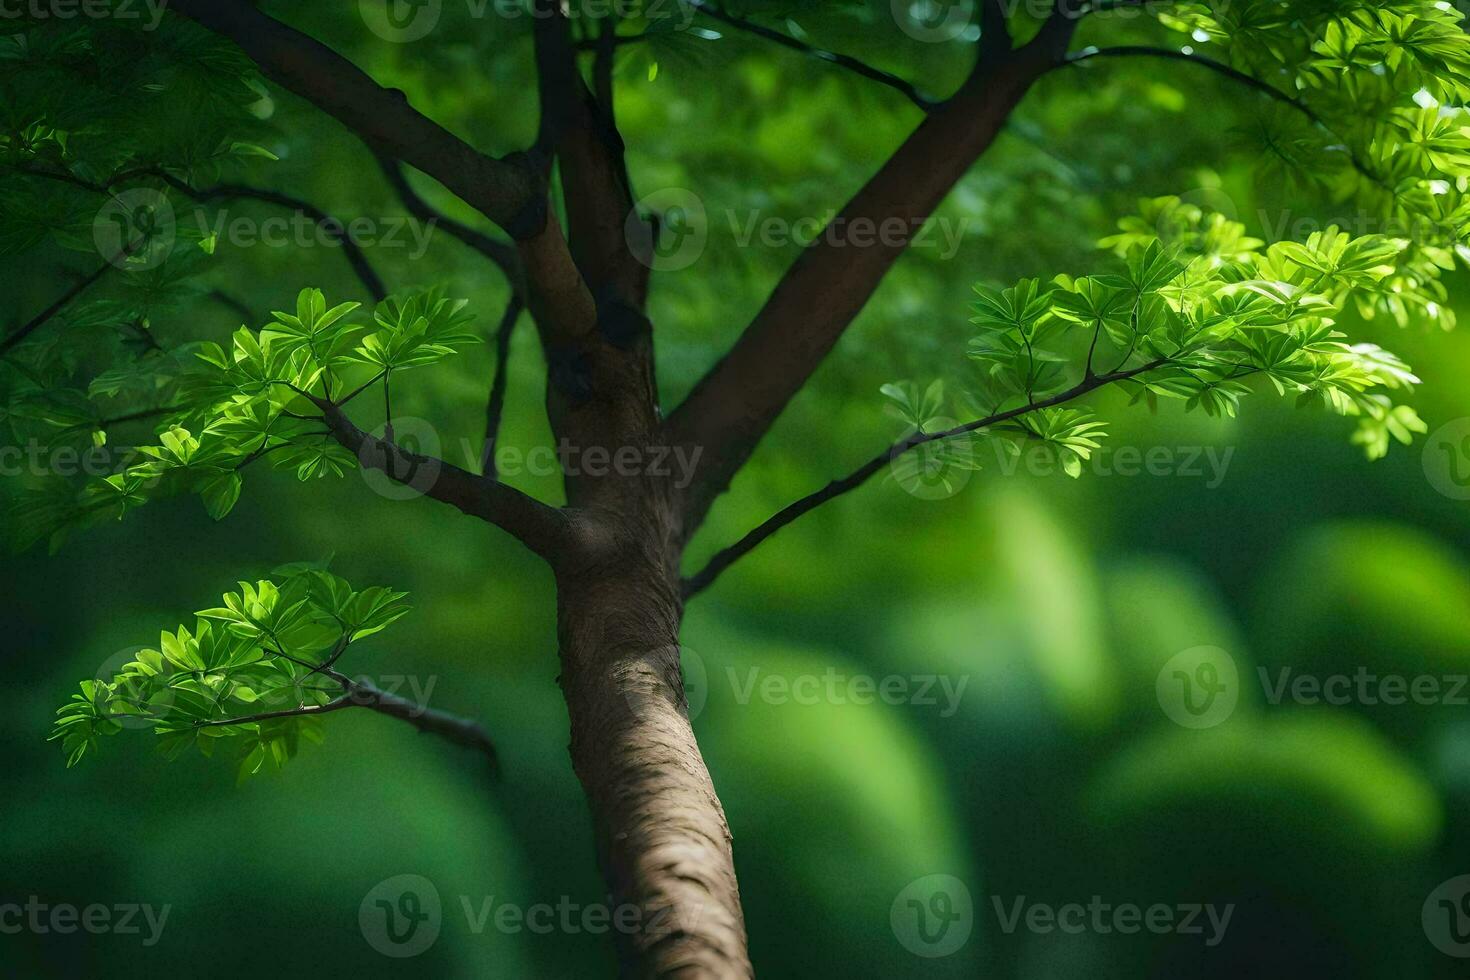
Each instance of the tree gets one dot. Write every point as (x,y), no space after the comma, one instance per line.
(109,115)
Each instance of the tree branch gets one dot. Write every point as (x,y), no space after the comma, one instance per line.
(498,252)
(495,406)
(362,694)
(580,133)
(37,321)
(728,556)
(854,65)
(460,731)
(543,529)
(736,402)
(510,190)
(356,257)
(1235,75)
(503,189)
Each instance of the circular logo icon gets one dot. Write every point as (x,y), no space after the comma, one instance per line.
(1199,687)
(1446,917)
(667,230)
(409,473)
(939,468)
(695,679)
(400,21)
(933,916)
(138,699)
(400,916)
(135,229)
(1185,219)
(1447,459)
(931,21)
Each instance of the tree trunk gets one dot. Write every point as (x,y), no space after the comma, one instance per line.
(661,834)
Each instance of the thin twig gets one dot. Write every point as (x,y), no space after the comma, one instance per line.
(854,65)
(728,556)
(1234,74)
(495,406)
(35,322)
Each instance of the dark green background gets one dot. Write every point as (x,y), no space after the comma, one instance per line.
(1059,601)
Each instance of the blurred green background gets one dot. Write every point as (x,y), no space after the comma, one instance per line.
(1057,603)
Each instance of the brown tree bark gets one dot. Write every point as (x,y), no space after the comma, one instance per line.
(615,548)
(662,839)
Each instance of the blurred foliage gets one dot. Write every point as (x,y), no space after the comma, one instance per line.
(1059,602)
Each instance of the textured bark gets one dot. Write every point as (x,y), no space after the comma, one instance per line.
(615,547)
(661,833)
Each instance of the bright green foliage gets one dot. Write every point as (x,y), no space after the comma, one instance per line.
(1194,320)
(258,400)
(1381,84)
(269,649)
(420,330)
